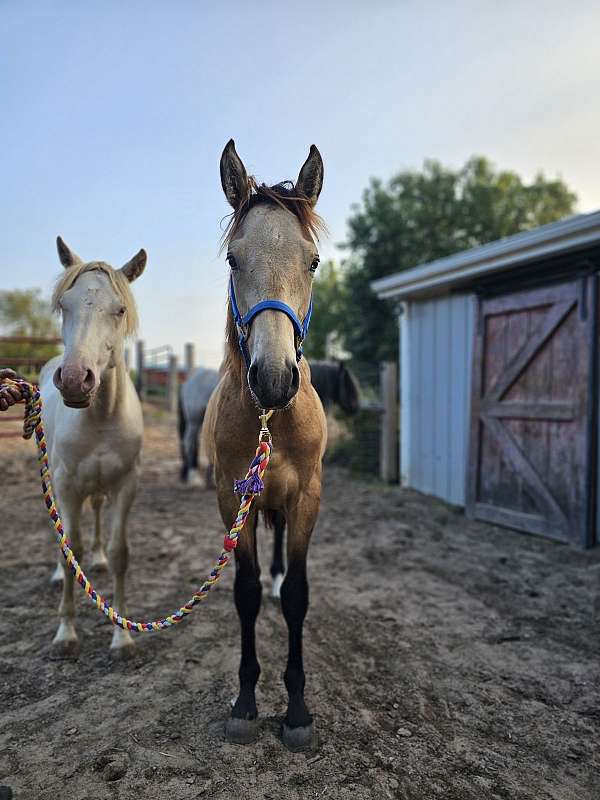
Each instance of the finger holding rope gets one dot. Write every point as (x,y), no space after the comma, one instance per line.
(10,393)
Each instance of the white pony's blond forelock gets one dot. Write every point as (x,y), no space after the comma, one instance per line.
(117,280)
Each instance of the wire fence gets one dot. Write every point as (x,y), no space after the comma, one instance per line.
(367,442)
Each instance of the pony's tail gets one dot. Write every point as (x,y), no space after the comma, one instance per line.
(269,518)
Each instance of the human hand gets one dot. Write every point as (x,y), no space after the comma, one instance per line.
(9,395)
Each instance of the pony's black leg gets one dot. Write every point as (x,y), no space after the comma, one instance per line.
(242,727)
(294,603)
(190,450)
(278,563)
(181,429)
(193,454)
(298,728)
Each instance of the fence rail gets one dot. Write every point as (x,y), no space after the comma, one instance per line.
(26,362)
(30,340)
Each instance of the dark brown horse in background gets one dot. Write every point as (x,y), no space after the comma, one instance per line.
(272,253)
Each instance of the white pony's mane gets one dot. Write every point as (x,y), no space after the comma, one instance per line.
(117,280)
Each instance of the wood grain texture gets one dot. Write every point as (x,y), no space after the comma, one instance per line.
(530,408)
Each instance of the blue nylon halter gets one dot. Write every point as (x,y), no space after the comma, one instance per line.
(243,322)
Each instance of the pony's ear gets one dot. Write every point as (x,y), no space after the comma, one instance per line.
(134,268)
(234,178)
(67,257)
(310,179)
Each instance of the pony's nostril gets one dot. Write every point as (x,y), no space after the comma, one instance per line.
(295,379)
(57,378)
(89,381)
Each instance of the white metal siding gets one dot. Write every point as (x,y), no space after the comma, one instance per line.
(435,354)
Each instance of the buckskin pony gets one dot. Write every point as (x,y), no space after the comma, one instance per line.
(272,256)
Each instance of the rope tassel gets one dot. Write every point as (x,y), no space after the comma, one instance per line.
(251,486)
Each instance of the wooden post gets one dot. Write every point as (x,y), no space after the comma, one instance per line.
(388,451)
(172,383)
(139,367)
(190,358)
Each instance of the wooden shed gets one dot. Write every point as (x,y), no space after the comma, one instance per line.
(499,379)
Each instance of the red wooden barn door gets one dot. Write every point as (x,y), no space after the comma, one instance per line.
(531,403)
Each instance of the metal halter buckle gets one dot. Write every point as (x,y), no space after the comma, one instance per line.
(265,433)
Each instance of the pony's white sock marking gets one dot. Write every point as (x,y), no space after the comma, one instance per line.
(58,575)
(120,639)
(276,586)
(194,478)
(66,632)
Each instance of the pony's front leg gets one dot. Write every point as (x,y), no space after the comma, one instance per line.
(242,727)
(58,575)
(190,450)
(298,726)
(119,505)
(65,642)
(98,560)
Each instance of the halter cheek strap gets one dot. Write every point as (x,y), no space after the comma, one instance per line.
(243,322)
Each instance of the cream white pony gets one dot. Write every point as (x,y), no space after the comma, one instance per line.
(93,420)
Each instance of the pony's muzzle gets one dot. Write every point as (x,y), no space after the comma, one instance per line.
(76,383)
(273,387)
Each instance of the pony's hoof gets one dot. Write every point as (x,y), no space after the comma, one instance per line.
(124,652)
(241,731)
(64,649)
(122,646)
(194,479)
(299,740)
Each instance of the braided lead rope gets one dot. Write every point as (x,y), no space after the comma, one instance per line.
(250,486)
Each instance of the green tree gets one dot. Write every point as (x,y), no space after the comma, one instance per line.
(328,300)
(26,313)
(421,216)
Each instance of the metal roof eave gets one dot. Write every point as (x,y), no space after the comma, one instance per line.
(437,277)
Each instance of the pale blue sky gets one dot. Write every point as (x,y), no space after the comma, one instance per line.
(114,115)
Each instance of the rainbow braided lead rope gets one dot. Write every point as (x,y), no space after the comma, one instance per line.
(250,487)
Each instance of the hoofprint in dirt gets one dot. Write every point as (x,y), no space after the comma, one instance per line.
(444,658)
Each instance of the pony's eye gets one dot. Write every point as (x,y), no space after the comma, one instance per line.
(121,311)
(315,264)
(231,261)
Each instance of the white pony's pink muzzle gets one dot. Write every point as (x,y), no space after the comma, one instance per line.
(76,383)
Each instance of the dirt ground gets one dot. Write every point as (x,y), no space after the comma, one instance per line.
(444,658)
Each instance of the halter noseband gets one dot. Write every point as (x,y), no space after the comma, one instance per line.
(243,322)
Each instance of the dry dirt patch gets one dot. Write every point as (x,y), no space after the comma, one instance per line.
(444,658)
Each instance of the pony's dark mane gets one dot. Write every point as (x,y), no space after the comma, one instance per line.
(286,196)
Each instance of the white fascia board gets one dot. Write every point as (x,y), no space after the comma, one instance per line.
(438,276)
